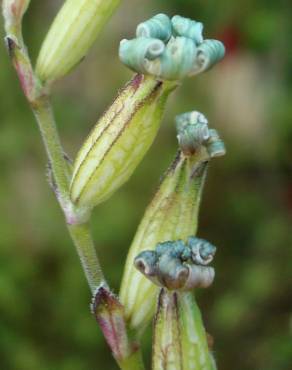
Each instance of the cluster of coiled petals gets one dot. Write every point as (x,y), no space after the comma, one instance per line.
(177,265)
(170,49)
(193,134)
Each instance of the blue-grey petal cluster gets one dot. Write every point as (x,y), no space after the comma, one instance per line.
(193,133)
(177,265)
(170,49)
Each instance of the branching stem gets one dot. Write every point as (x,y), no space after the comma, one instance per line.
(45,118)
(39,100)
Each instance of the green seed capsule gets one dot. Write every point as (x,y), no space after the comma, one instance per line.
(179,335)
(72,33)
(119,141)
(172,215)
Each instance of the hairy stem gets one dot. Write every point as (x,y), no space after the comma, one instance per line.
(45,118)
(82,239)
(39,101)
(79,230)
(60,177)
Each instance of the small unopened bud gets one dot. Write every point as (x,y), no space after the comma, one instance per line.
(72,33)
(109,314)
(13,11)
(119,140)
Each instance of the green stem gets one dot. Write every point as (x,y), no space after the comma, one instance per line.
(79,232)
(82,239)
(45,118)
(39,102)
(76,217)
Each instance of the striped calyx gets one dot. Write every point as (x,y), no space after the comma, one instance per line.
(71,35)
(170,49)
(180,341)
(109,314)
(119,140)
(171,215)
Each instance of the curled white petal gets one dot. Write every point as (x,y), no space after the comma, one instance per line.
(199,277)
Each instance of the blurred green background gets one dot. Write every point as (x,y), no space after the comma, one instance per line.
(246,210)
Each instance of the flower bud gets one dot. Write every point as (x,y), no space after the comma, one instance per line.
(13,11)
(119,140)
(72,33)
(109,314)
(172,215)
(180,340)
(180,48)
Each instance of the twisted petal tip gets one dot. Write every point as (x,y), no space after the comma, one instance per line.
(193,133)
(188,28)
(159,27)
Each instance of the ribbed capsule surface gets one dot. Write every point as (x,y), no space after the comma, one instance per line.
(72,33)
(119,140)
(179,335)
(195,349)
(171,215)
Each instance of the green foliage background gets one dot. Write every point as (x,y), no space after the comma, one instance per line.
(44,317)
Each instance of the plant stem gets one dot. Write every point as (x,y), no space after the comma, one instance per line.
(45,118)
(76,217)
(39,101)
(78,229)
(79,232)
(82,239)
